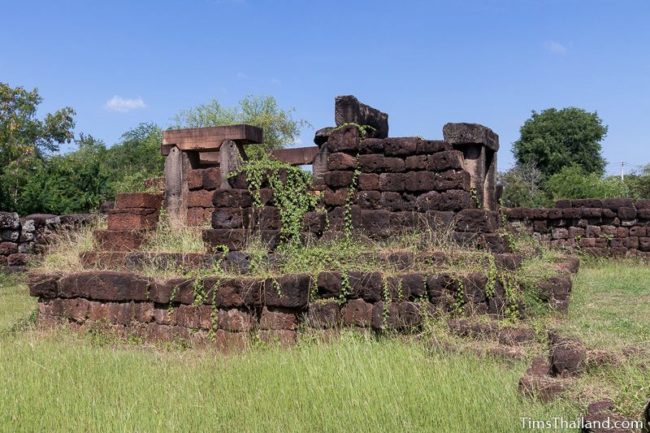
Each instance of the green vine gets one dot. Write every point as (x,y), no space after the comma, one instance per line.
(214,315)
(387,303)
(363,129)
(492,276)
(172,296)
(512,296)
(291,192)
(349,199)
(346,287)
(199,292)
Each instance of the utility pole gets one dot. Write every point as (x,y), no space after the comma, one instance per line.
(622,171)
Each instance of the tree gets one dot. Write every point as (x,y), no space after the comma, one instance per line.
(639,182)
(522,187)
(574,182)
(554,139)
(74,182)
(136,158)
(24,139)
(279,126)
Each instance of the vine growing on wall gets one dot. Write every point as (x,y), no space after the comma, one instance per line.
(291,188)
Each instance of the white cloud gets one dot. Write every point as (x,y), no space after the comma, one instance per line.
(122,105)
(554,47)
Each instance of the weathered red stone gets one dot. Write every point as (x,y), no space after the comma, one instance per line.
(138,200)
(233,292)
(18,259)
(341,161)
(368,181)
(7,248)
(132,219)
(200,198)
(278,319)
(235,320)
(232,198)
(357,312)
(105,286)
(119,240)
(43,285)
(336,197)
(329,284)
(380,164)
(338,179)
(290,291)
(366,285)
(324,314)
(344,139)
(230,218)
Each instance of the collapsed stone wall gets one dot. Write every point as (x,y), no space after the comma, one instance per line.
(607,227)
(20,238)
(385,186)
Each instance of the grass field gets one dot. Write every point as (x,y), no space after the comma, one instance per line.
(60,381)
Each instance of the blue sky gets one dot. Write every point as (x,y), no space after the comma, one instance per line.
(425,63)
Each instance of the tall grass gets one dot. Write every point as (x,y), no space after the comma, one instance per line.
(61,381)
(63,254)
(356,384)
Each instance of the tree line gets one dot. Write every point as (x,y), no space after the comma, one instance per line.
(558,154)
(35,177)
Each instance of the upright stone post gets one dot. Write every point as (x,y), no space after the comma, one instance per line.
(479,145)
(231,158)
(175,186)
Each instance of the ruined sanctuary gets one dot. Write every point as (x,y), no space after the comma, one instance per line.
(367,186)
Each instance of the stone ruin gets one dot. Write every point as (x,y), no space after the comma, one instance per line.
(404,183)
(401,184)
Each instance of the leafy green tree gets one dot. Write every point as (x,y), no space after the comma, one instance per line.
(280,128)
(522,187)
(70,183)
(639,183)
(82,180)
(25,139)
(137,157)
(574,182)
(555,139)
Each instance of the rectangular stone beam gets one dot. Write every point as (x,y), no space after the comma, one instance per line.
(209,139)
(297,155)
(292,156)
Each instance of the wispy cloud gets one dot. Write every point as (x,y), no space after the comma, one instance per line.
(555,47)
(123,105)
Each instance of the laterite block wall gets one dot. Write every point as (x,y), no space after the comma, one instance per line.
(232,310)
(391,184)
(20,238)
(616,227)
